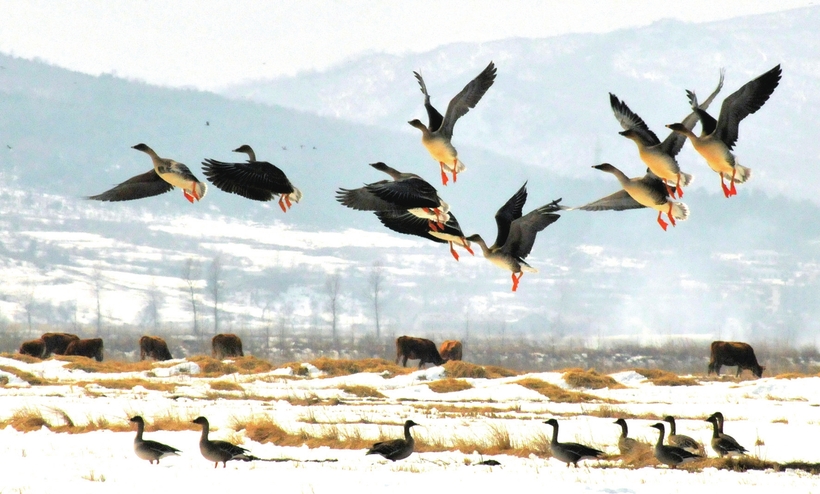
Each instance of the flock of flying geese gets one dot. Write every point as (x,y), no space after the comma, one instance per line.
(410,205)
(678,450)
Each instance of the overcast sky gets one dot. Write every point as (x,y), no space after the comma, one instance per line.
(209,44)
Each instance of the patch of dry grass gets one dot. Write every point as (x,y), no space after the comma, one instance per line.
(793,375)
(362,391)
(464,410)
(211,367)
(106,366)
(590,379)
(448,385)
(25,376)
(344,367)
(32,419)
(22,358)
(130,384)
(660,377)
(460,369)
(555,393)
(170,422)
(225,386)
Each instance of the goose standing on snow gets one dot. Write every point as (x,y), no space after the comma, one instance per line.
(626,444)
(659,156)
(437,134)
(256,180)
(516,234)
(723,444)
(718,137)
(648,191)
(397,449)
(406,192)
(681,440)
(150,450)
(570,453)
(217,451)
(410,224)
(166,175)
(671,455)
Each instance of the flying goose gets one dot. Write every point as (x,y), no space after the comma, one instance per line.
(648,191)
(217,451)
(680,440)
(671,455)
(166,175)
(723,444)
(256,180)
(516,234)
(659,156)
(409,224)
(147,449)
(397,449)
(406,192)
(437,135)
(626,444)
(570,453)
(718,137)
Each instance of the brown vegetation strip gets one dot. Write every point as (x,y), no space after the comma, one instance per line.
(25,376)
(589,379)
(660,377)
(556,393)
(448,385)
(461,369)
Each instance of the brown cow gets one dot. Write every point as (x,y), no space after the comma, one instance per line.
(409,347)
(154,347)
(57,343)
(734,353)
(450,350)
(34,348)
(226,345)
(91,348)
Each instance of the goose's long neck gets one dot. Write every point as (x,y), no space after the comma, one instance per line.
(204,438)
(140,428)
(407,436)
(554,434)
(622,178)
(660,437)
(481,243)
(251,154)
(671,427)
(715,432)
(624,430)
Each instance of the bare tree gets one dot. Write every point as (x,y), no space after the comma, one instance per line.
(215,287)
(376,279)
(29,303)
(190,273)
(97,280)
(333,285)
(153,304)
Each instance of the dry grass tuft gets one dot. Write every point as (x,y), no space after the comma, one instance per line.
(251,365)
(211,367)
(22,358)
(660,377)
(793,375)
(225,386)
(25,376)
(344,367)
(106,366)
(448,385)
(460,369)
(555,393)
(170,422)
(590,380)
(363,391)
(25,420)
(643,455)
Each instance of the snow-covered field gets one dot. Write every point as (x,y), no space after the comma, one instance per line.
(776,419)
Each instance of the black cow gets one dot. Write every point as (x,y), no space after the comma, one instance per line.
(91,348)
(34,348)
(734,353)
(57,343)
(226,345)
(154,347)
(409,347)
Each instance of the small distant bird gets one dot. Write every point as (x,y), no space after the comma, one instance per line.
(671,455)
(397,449)
(217,451)
(410,224)
(150,450)
(256,180)
(406,192)
(659,156)
(570,453)
(207,123)
(516,234)
(648,191)
(436,136)
(166,175)
(723,444)
(718,137)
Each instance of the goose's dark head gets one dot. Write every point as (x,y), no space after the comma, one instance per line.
(679,128)
(658,426)
(243,149)
(605,167)
(137,420)
(141,147)
(417,124)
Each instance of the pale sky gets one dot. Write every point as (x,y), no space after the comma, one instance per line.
(209,44)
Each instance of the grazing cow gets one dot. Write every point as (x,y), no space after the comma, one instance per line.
(91,348)
(154,347)
(34,348)
(57,343)
(409,347)
(450,350)
(734,353)
(226,345)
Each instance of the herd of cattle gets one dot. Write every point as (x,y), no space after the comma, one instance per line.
(723,353)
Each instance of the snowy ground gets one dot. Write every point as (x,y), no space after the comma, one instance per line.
(781,414)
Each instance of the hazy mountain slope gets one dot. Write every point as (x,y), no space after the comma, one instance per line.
(549,106)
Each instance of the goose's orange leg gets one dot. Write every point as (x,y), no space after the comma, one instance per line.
(188,196)
(444,178)
(726,192)
(661,222)
(466,245)
(732,189)
(669,214)
(455,170)
(677,186)
(516,280)
(453,251)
